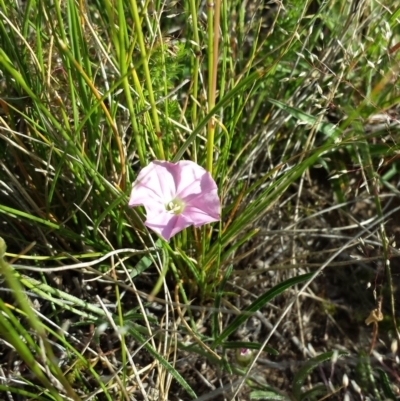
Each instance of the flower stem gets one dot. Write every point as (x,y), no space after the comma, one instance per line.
(213,40)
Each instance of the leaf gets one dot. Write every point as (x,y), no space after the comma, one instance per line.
(326,128)
(258,304)
(267,395)
(316,393)
(189,265)
(144,263)
(217,303)
(23,394)
(249,345)
(386,387)
(168,367)
(236,91)
(194,348)
(302,373)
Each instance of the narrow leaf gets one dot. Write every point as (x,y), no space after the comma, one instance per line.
(386,387)
(266,395)
(217,302)
(326,128)
(170,369)
(302,373)
(249,345)
(258,304)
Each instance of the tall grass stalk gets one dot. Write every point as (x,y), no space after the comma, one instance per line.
(213,23)
(144,58)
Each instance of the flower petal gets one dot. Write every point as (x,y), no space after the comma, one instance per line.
(198,190)
(193,180)
(154,184)
(198,217)
(207,204)
(167,224)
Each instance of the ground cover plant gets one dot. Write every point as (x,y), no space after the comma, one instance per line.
(199,200)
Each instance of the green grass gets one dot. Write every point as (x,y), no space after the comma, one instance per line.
(293,109)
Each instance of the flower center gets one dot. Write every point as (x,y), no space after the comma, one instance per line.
(175,206)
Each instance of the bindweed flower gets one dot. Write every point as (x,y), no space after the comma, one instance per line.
(176,196)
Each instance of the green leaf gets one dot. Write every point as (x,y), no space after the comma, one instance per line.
(258,304)
(386,387)
(326,128)
(170,369)
(24,394)
(302,373)
(236,91)
(249,345)
(217,303)
(15,212)
(267,395)
(316,393)
(144,263)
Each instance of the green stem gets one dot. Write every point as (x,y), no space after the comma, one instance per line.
(125,82)
(213,40)
(143,53)
(196,65)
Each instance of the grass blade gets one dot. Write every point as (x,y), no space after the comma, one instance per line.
(258,304)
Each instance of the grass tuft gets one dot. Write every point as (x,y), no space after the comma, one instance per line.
(293,109)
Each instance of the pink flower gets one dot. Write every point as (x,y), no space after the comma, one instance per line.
(175,196)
